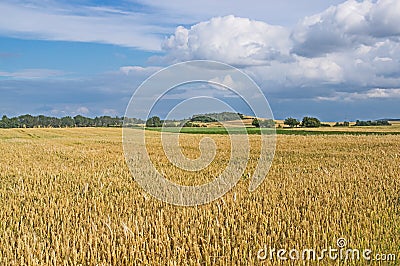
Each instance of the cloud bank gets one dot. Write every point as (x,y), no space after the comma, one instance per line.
(353,47)
(347,53)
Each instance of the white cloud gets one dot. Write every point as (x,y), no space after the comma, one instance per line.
(34,73)
(383,93)
(138,70)
(234,40)
(323,69)
(385,19)
(69,110)
(110,112)
(83,110)
(140,23)
(83,24)
(377,93)
(226,81)
(349,24)
(353,45)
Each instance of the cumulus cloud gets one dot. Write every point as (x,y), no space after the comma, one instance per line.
(225,81)
(384,18)
(323,69)
(347,25)
(234,40)
(332,30)
(348,48)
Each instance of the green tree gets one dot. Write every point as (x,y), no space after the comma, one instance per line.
(373,123)
(27,121)
(310,122)
(154,121)
(344,124)
(291,122)
(256,122)
(4,122)
(67,122)
(80,121)
(203,118)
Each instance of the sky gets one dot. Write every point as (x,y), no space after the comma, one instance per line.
(336,60)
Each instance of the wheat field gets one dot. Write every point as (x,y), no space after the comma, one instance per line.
(67,198)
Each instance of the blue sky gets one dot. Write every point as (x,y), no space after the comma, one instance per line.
(337,60)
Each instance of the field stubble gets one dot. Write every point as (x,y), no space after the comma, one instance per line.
(67,197)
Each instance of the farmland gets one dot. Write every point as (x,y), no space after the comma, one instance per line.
(68,198)
(373,130)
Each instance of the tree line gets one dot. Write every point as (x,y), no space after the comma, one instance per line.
(29,121)
(306,122)
(315,122)
(372,123)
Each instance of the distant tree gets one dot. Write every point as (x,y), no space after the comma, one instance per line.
(4,122)
(104,121)
(46,121)
(256,122)
(203,118)
(344,124)
(67,122)
(267,123)
(130,121)
(154,121)
(13,122)
(81,121)
(373,123)
(42,121)
(117,121)
(190,124)
(325,125)
(224,116)
(27,121)
(310,122)
(291,122)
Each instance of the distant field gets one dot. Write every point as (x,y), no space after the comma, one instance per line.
(395,127)
(378,130)
(68,198)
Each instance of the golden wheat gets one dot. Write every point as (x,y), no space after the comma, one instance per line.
(68,198)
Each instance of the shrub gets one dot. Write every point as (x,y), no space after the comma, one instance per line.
(310,122)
